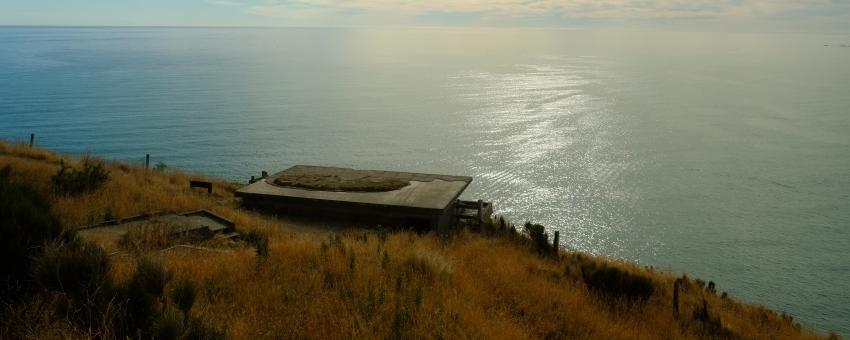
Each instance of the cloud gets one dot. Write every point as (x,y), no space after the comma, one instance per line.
(225,2)
(354,11)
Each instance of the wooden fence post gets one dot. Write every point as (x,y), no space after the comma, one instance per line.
(32,139)
(458,210)
(555,242)
(480,213)
(676,285)
(147,160)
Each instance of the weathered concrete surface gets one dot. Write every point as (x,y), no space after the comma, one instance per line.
(436,194)
(200,222)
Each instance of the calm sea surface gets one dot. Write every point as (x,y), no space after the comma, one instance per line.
(723,155)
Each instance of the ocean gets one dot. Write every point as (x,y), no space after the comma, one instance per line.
(723,155)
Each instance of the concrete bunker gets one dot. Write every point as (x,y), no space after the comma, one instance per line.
(404,199)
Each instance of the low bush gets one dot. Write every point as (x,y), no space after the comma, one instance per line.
(150,315)
(168,325)
(160,166)
(539,238)
(616,282)
(142,295)
(197,330)
(26,225)
(150,277)
(78,269)
(259,241)
(709,325)
(71,181)
(79,272)
(183,295)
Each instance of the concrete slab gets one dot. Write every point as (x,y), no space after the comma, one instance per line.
(195,222)
(426,191)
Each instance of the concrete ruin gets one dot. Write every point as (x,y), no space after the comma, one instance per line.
(200,224)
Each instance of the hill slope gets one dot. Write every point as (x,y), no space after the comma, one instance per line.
(375,284)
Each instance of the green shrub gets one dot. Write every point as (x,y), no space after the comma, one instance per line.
(710,325)
(26,225)
(71,181)
(142,294)
(259,241)
(79,269)
(151,276)
(616,282)
(160,166)
(539,238)
(168,325)
(183,294)
(197,330)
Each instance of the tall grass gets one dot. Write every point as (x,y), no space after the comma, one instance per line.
(152,235)
(374,284)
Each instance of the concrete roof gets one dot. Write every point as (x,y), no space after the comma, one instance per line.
(434,192)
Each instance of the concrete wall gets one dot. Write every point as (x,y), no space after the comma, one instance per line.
(420,219)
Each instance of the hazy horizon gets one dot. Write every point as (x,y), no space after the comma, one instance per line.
(542,28)
(725,16)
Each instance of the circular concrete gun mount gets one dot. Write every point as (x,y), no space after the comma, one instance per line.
(350,180)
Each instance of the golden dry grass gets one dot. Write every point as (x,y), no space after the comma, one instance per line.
(365,284)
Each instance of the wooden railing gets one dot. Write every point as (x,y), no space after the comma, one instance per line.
(461,207)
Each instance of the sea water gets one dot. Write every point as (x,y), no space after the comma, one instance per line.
(724,155)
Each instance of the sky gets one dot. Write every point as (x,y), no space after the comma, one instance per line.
(746,15)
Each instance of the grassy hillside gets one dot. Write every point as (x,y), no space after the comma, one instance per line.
(493,284)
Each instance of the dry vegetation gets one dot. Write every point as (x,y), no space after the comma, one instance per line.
(338,179)
(345,179)
(374,284)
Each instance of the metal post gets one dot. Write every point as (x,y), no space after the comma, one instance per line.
(32,139)
(147,160)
